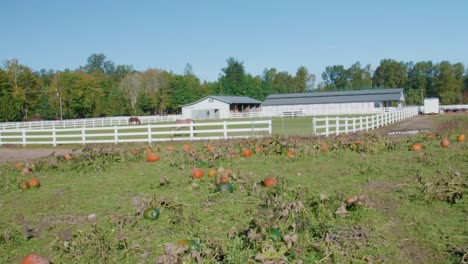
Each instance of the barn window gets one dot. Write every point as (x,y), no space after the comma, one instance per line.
(210,100)
(377,105)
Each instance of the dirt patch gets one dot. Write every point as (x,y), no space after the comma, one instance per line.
(410,250)
(422,123)
(12,154)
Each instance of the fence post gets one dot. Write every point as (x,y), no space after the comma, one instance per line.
(54,137)
(191,131)
(83,136)
(346,125)
(360,123)
(326,126)
(116,135)
(0,138)
(269,127)
(23,132)
(337,130)
(354,124)
(314,126)
(149,134)
(225,130)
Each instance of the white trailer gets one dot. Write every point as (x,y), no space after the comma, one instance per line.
(431,106)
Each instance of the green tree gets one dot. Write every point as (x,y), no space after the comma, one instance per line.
(419,82)
(268,81)
(283,83)
(390,74)
(232,80)
(301,80)
(254,87)
(99,63)
(448,82)
(335,78)
(359,78)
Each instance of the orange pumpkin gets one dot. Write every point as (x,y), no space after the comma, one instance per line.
(34,259)
(246,153)
(430,135)
(416,147)
(210,148)
(34,183)
(169,148)
(24,185)
(186,147)
(324,147)
(212,173)
(224,179)
(152,157)
(18,166)
(461,138)
(259,149)
(197,173)
(445,143)
(67,156)
(290,153)
(269,182)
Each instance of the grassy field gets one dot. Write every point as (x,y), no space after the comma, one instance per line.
(354,199)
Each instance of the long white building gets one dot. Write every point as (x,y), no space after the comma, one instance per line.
(345,102)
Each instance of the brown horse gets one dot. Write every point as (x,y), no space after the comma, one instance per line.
(134,120)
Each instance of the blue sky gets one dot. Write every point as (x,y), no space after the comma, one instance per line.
(262,34)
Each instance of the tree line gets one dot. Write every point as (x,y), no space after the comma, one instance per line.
(101,88)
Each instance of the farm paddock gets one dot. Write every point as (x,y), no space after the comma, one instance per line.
(356,198)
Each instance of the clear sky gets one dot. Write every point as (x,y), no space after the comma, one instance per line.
(260,33)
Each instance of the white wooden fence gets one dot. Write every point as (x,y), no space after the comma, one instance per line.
(454,107)
(339,125)
(270,114)
(137,133)
(86,122)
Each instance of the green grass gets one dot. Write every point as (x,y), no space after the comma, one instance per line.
(401,221)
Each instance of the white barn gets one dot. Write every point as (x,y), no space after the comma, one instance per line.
(219,107)
(344,102)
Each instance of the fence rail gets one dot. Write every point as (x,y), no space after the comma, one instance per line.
(454,107)
(339,125)
(142,133)
(86,122)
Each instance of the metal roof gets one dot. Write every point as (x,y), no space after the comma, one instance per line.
(229,100)
(236,99)
(373,95)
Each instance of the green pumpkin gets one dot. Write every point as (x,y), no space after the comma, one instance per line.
(193,244)
(225,187)
(275,234)
(151,213)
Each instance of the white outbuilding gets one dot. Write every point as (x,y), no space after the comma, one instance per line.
(344,102)
(219,107)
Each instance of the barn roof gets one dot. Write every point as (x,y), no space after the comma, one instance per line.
(371,95)
(230,99)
